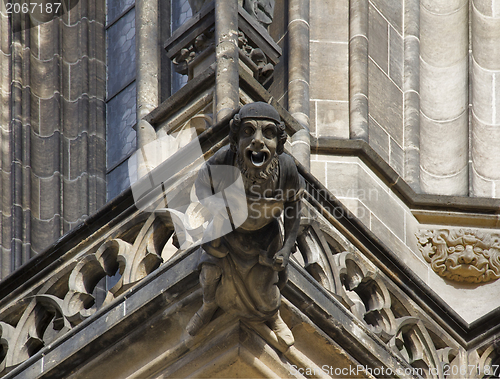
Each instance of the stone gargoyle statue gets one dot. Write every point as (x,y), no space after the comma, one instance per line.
(243,269)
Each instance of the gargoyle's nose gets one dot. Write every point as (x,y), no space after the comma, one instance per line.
(468,256)
(257,141)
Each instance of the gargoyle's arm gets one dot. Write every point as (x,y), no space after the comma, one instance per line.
(291,225)
(215,204)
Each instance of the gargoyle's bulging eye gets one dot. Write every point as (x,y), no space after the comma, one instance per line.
(269,132)
(248,131)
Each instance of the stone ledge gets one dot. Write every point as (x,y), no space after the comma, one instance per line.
(159,300)
(331,146)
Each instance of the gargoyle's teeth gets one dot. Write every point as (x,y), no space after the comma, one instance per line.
(259,158)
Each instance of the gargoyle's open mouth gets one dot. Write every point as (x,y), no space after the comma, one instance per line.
(466,270)
(258,158)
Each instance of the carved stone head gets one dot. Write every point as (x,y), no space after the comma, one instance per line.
(257,135)
(462,255)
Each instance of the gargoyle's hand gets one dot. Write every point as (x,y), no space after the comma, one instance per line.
(280,260)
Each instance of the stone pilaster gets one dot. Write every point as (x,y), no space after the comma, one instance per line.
(411,93)
(358,70)
(226,56)
(298,76)
(147,71)
(444,117)
(5,115)
(485,72)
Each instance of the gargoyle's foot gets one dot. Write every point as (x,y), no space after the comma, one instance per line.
(281,330)
(201,318)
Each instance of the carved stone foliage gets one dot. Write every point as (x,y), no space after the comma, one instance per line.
(462,255)
(204,45)
(192,47)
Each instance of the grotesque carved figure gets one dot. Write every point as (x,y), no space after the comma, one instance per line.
(462,255)
(260,10)
(243,271)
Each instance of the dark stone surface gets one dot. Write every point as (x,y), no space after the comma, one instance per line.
(56,68)
(117,180)
(45,152)
(121,118)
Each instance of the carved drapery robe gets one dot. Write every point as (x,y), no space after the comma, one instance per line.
(249,287)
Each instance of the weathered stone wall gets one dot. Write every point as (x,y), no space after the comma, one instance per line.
(329,56)
(53,136)
(407,64)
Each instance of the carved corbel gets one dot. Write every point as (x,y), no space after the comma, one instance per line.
(255,59)
(202,46)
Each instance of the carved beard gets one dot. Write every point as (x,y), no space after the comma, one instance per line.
(271,170)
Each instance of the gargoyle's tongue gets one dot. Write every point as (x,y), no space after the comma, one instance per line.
(258,159)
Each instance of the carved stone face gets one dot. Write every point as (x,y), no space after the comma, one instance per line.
(466,261)
(462,255)
(257,143)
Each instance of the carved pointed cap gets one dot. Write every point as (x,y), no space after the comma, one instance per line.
(259,110)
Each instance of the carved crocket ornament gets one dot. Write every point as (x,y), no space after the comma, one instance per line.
(462,255)
(244,259)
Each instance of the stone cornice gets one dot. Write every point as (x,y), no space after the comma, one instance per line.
(416,201)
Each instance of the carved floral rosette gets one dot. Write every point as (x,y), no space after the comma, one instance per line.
(469,256)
